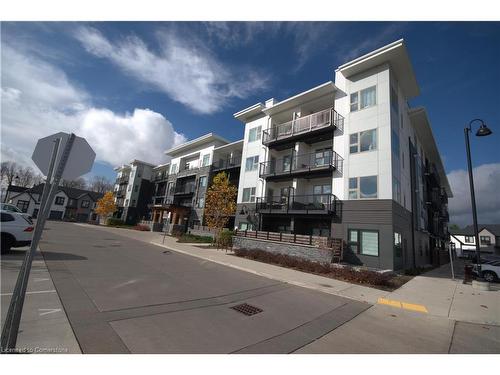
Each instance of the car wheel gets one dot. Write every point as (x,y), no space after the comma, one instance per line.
(489,276)
(6,243)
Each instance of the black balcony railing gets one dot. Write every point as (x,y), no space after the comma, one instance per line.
(185,189)
(120,193)
(303,125)
(300,204)
(228,163)
(306,163)
(122,180)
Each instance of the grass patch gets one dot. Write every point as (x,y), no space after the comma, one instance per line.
(384,281)
(193,238)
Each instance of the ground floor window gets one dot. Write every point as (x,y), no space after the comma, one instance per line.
(23,205)
(484,240)
(245,226)
(363,241)
(397,244)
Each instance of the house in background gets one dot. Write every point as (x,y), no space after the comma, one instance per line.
(68,204)
(464,242)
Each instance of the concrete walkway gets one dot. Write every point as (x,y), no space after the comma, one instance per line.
(435,290)
(44,326)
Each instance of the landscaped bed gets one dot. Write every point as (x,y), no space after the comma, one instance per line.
(381,280)
(193,238)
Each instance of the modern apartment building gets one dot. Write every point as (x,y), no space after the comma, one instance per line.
(349,159)
(180,186)
(133,190)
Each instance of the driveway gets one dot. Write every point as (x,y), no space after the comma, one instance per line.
(122,295)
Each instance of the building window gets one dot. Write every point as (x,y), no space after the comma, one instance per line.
(322,193)
(394,101)
(59,201)
(469,239)
(85,204)
(396,190)
(71,202)
(363,187)
(133,203)
(363,99)
(201,202)
(173,168)
(323,157)
(136,188)
(129,188)
(252,163)
(254,134)
(245,226)
(248,195)
(206,160)
(23,205)
(363,242)
(363,141)
(483,240)
(397,245)
(126,202)
(395,143)
(170,188)
(202,182)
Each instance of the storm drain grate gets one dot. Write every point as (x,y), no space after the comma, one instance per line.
(247,309)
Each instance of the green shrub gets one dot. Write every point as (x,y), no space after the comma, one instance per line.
(193,238)
(224,240)
(112,221)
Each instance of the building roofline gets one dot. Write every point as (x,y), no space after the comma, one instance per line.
(396,54)
(137,161)
(197,141)
(229,145)
(249,112)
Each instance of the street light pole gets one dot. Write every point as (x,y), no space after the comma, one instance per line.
(483,131)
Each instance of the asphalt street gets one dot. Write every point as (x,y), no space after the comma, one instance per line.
(126,296)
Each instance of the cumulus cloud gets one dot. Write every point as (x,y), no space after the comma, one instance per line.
(38,99)
(486,183)
(181,68)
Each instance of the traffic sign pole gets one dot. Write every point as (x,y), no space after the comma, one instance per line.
(13,319)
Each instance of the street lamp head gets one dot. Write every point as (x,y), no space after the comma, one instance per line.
(483,131)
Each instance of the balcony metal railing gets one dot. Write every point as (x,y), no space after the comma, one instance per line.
(160,176)
(301,164)
(227,163)
(319,120)
(122,180)
(120,193)
(185,189)
(313,203)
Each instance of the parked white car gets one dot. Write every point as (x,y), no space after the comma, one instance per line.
(490,269)
(11,208)
(16,230)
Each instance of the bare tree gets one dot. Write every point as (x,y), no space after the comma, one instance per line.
(9,171)
(26,177)
(100,184)
(78,183)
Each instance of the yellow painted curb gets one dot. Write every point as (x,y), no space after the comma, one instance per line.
(402,305)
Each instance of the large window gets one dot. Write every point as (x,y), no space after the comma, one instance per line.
(394,101)
(485,240)
(363,99)
(173,169)
(254,134)
(363,187)
(252,163)
(323,157)
(245,226)
(397,245)
(363,242)
(248,195)
(23,205)
(322,193)
(363,141)
(206,160)
(59,201)
(469,239)
(85,204)
(202,182)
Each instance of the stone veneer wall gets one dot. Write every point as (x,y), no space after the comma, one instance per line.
(311,253)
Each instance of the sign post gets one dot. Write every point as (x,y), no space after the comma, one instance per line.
(45,156)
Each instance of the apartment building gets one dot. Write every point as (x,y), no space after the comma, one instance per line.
(133,190)
(180,186)
(349,159)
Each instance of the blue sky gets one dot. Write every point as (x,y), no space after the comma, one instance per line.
(135,89)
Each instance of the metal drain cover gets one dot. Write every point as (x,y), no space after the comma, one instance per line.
(247,309)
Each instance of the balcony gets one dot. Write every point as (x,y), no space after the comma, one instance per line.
(234,162)
(160,177)
(122,180)
(187,189)
(320,204)
(313,128)
(309,165)
(120,193)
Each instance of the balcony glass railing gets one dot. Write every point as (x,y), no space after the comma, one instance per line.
(185,189)
(319,120)
(313,203)
(227,163)
(312,162)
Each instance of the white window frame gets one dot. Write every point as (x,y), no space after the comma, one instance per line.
(355,105)
(206,158)
(357,143)
(255,163)
(251,195)
(254,134)
(357,189)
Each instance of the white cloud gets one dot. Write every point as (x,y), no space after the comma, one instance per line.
(486,183)
(38,99)
(182,68)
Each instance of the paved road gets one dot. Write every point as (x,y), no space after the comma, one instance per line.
(122,295)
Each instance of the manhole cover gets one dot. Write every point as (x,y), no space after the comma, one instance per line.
(247,309)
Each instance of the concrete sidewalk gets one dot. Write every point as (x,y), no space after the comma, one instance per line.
(435,291)
(44,326)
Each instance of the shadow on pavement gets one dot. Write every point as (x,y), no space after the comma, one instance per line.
(19,254)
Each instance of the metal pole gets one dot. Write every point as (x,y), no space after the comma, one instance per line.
(13,319)
(473,202)
(451,263)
